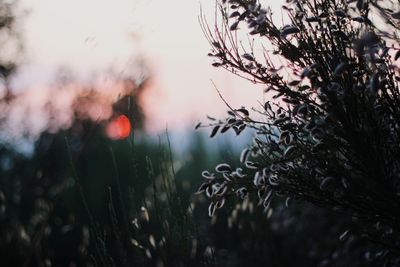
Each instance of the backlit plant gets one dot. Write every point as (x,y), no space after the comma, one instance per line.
(329,133)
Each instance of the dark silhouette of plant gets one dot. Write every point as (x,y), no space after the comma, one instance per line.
(329,134)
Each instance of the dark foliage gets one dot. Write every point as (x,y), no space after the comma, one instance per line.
(330,133)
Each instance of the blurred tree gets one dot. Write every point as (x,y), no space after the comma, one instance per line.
(52,201)
(10,42)
(73,199)
(330,134)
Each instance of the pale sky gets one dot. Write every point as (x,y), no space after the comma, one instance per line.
(91,36)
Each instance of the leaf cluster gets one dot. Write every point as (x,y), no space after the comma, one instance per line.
(329,134)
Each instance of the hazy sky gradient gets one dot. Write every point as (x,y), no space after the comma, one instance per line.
(89,36)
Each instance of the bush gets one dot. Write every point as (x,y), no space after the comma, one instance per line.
(329,135)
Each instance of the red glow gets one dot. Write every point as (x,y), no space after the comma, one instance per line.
(119,128)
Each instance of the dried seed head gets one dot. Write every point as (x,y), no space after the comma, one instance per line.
(211,209)
(207,175)
(223,167)
(244,155)
(152,241)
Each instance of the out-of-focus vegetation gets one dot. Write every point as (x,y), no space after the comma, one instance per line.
(84,199)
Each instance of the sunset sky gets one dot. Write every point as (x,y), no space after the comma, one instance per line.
(94,36)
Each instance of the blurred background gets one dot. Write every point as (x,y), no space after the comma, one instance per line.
(71,46)
(99,160)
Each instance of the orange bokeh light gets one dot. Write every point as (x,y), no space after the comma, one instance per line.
(119,128)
